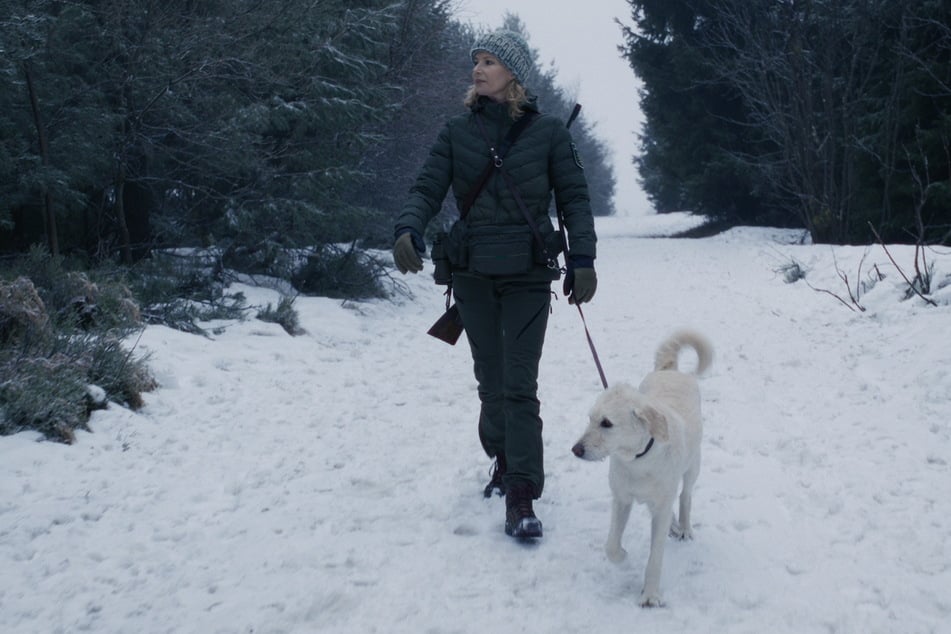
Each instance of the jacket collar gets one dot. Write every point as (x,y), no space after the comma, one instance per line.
(494,110)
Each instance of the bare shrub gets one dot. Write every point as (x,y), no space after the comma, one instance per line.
(791,271)
(920,284)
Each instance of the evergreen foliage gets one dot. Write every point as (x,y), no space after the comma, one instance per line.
(149,149)
(61,334)
(829,115)
(179,290)
(284,314)
(341,272)
(131,125)
(555,100)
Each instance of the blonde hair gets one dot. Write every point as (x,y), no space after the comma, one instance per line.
(515,96)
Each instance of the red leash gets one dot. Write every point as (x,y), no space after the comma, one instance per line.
(561,227)
(594,353)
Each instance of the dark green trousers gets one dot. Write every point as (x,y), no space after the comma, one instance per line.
(505,322)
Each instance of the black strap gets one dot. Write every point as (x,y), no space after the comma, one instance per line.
(552,262)
(517,128)
(497,164)
(560,213)
(474,192)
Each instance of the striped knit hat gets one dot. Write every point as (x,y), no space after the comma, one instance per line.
(511,50)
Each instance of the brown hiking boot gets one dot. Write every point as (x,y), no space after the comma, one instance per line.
(495,484)
(520,520)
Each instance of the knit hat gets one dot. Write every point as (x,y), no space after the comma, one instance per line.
(510,48)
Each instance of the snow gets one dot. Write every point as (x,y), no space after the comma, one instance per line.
(332,482)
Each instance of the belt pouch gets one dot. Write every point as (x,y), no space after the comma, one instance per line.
(500,250)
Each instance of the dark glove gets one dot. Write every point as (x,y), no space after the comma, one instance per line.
(405,255)
(584,284)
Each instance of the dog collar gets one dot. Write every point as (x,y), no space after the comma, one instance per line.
(646,449)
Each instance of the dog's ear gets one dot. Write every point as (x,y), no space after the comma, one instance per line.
(655,419)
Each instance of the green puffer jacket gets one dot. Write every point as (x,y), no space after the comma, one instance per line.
(542,160)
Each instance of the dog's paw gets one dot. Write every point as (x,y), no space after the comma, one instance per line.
(651,600)
(679,533)
(615,553)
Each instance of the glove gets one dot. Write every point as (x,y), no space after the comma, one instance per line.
(405,255)
(584,284)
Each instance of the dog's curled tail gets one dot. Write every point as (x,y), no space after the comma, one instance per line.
(669,351)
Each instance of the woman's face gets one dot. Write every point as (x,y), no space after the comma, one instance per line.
(490,77)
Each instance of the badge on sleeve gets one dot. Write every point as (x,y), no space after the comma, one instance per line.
(577,157)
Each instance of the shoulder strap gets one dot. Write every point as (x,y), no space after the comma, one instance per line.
(517,128)
(496,163)
(552,262)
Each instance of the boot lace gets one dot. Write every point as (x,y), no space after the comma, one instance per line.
(496,471)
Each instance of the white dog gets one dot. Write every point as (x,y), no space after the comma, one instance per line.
(652,435)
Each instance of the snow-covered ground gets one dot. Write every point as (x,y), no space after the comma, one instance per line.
(332,482)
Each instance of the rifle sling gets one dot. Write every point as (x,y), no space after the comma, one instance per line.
(560,213)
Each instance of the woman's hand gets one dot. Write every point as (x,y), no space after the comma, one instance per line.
(584,285)
(405,255)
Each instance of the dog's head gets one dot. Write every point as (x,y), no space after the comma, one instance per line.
(621,423)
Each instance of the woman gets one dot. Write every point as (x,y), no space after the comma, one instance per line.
(503,252)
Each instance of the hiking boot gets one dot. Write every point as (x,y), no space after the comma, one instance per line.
(495,483)
(520,520)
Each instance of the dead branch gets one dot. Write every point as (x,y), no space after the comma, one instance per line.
(911,285)
(845,279)
(828,292)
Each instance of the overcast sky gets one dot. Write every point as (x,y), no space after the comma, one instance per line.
(582,45)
